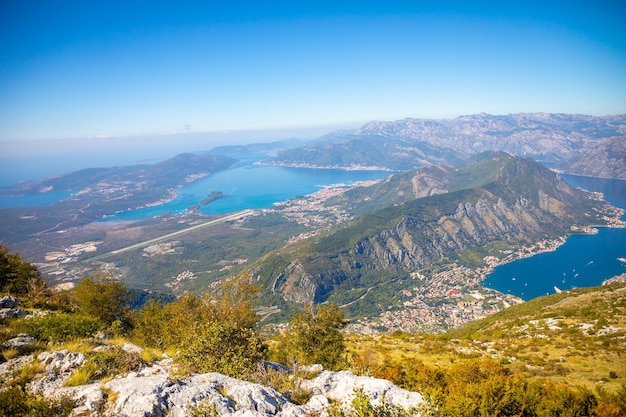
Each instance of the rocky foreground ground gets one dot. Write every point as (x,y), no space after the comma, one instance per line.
(156,390)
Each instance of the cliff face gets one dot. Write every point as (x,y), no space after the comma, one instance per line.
(605,159)
(511,202)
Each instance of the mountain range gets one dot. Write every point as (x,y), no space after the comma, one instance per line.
(579,144)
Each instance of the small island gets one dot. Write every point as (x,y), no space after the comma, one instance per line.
(215,195)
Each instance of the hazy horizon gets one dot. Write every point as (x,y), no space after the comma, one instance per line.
(35,159)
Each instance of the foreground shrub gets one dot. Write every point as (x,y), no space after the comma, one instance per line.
(213,333)
(314,336)
(103,298)
(485,387)
(15,401)
(57,328)
(224,348)
(19,277)
(362,406)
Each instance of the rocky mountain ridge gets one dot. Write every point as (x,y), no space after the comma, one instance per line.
(366,152)
(603,159)
(543,136)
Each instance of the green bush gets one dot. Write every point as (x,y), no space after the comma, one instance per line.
(224,348)
(315,337)
(103,298)
(57,328)
(15,401)
(362,406)
(486,388)
(19,277)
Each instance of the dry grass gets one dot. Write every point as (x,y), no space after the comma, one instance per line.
(10,353)
(527,344)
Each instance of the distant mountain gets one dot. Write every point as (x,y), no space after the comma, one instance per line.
(267,148)
(604,159)
(491,204)
(412,143)
(543,136)
(366,152)
(162,175)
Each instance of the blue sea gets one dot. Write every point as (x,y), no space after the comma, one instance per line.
(252,186)
(582,261)
(247,185)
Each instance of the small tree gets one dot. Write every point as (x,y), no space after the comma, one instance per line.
(149,325)
(103,298)
(222,347)
(315,336)
(19,277)
(235,302)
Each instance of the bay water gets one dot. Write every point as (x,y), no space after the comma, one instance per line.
(248,185)
(582,261)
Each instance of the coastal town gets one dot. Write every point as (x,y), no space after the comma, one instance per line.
(311,211)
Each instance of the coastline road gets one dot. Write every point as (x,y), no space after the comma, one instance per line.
(233,216)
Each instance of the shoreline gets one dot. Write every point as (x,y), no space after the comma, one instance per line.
(335,167)
(613,221)
(549,245)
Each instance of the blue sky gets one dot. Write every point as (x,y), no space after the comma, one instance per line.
(78,69)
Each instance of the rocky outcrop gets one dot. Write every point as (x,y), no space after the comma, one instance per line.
(19,341)
(9,302)
(155,392)
(9,308)
(341,387)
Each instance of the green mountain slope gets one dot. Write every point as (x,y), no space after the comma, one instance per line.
(574,338)
(495,203)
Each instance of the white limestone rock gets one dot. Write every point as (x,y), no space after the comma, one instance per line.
(154,392)
(19,341)
(9,302)
(341,386)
